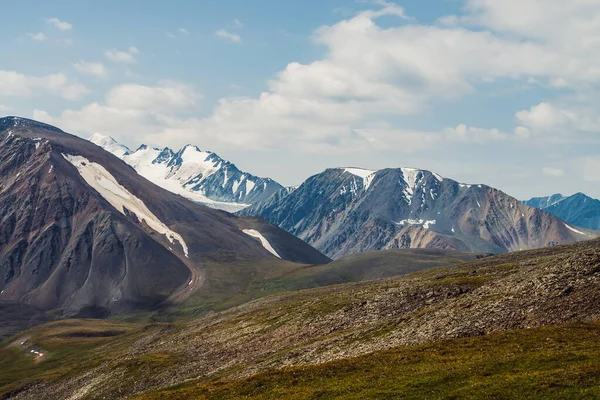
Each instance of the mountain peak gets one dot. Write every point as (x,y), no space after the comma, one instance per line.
(201,176)
(108,143)
(14,121)
(102,140)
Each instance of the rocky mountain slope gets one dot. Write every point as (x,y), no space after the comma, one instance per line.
(81,231)
(349,210)
(514,293)
(201,176)
(578,209)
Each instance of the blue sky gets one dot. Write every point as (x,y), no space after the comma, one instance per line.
(502,93)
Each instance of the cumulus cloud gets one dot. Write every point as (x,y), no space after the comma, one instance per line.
(548,118)
(131,109)
(17,84)
(91,68)
(229,36)
(124,57)
(371,74)
(58,24)
(170,96)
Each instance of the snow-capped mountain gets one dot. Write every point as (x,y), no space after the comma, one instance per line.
(201,176)
(82,232)
(349,210)
(109,144)
(578,209)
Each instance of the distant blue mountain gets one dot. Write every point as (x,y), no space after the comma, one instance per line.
(578,209)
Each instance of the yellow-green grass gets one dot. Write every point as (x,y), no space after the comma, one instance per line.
(68,346)
(556,362)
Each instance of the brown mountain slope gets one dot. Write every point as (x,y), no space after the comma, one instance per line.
(82,231)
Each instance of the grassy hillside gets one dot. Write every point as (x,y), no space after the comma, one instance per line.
(464,318)
(271,276)
(557,362)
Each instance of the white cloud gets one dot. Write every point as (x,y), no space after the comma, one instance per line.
(141,111)
(58,24)
(125,57)
(464,133)
(553,172)
(91,68)
(184,31)
(548,118)
(229,36)
(370,73)
(16,84)
(39,37)
(167,97)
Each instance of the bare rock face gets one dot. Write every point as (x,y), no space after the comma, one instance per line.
(81,230)
(348,210)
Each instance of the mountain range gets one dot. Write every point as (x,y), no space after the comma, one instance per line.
(201,176)
(578,209)
(350,210)
(81,231)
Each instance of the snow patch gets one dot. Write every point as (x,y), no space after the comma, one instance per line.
(410,176)
(236,185)
(107,186)
(425,224)
(265,243)
(366,174)
(576,231)
(249,186)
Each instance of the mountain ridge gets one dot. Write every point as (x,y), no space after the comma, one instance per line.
(578,209)
(201,176)
(348,210)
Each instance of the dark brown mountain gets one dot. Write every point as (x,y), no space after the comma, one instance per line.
(80,230)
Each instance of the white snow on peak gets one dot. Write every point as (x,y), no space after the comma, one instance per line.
(249,186)
(109,144)
(236,185)
(410,177)
(119,197)
(265,243)
(363,173)
(576,231)
(176,178)
(366,174)
(438,177)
